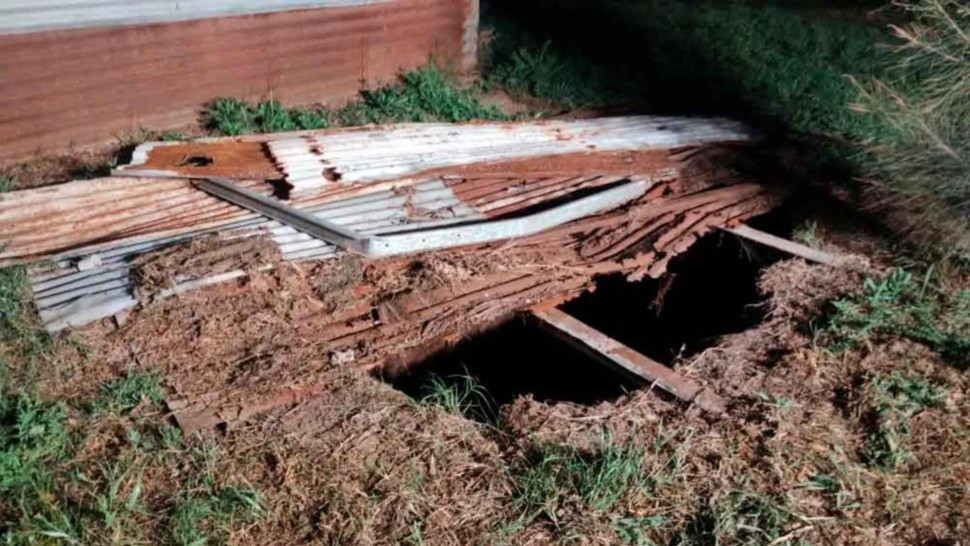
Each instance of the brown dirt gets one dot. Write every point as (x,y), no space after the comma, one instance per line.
(352,461)
(202,257)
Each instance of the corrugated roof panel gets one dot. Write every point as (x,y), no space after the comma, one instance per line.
(323,159)
(68,297)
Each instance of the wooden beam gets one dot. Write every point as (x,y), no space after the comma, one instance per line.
(791,247)
(626,360)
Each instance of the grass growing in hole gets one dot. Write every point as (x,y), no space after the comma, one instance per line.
(891,401)
(459,395)
(6,183)
(427,94)
(899,305)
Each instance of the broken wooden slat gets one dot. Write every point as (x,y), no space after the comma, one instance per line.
(626,360)
(791,247)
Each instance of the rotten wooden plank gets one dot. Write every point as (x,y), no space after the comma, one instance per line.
(626,360)
(785,245)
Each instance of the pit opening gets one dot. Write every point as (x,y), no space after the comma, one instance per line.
(709,291)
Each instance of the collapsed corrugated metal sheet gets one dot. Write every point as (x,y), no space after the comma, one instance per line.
(313,161)
(58,89)
(68,295)
(118,209)
(389,181)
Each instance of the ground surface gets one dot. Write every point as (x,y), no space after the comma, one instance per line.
(849,421)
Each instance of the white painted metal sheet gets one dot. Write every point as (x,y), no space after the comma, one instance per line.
(20,16)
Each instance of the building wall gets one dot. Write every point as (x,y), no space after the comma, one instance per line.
(63,87)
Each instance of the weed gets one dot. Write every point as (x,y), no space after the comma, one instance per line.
(6,183)
(198,515)
(33,435)
(833,488)
(460,395)
(923,162)
(427,94)
(18,329)
(778,402)
(48,494)
(891,401)
(552,478)
(743,518)
(127,392)
(234,117)
(897,305)
(543,72)
(632,530)
(807,234)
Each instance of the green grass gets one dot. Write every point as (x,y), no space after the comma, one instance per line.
(50,493)
(427,94)
(901,305)
(125,393)
(742,517)
(773,64)
(459,395)
(551,482)
(890,403)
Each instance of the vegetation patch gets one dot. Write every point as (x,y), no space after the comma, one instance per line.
(923,161)
(562,484)
(460,395)
(745,518)
(900,305)
(889,403)
(67,477)
(426,94)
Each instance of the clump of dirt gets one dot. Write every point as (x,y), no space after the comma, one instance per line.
(439,269)
(339,281)
(202,257)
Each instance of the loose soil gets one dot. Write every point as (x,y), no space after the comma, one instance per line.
(352,460)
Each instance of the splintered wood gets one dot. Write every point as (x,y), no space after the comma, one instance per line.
(392,319)
(266,313)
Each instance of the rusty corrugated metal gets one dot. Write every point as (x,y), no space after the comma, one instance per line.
(82,86)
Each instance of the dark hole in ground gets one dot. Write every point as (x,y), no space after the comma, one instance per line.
(515,359)
(711,291)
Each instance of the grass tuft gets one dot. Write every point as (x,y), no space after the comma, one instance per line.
(460,395)
(898,305)
(744,518)
(129,391)
(557,483)
(426,94)
(890,403)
